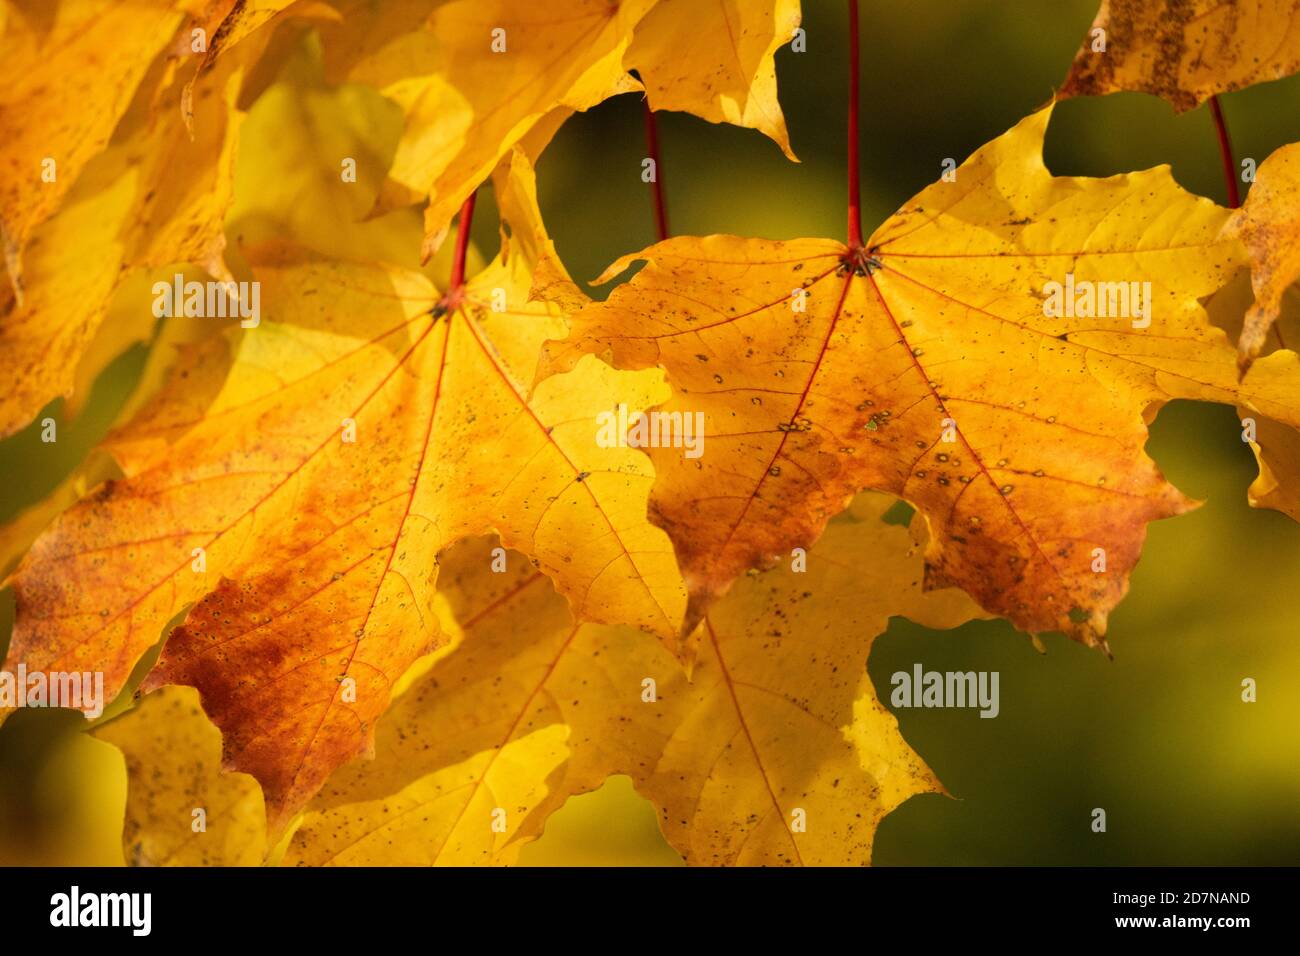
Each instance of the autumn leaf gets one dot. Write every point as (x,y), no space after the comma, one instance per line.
(476,78)
(1275,446)
(935,365)
(17,535)
(297,483)
(1186,50)
(1277,452)
(226,22)
(128,212)
(1269,226)
(312,159)
(473,79)
(42,339)
(181,809)
(530,707)
(55,53)
(715,59)
(388,518)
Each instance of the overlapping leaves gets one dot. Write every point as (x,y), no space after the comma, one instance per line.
(311,497)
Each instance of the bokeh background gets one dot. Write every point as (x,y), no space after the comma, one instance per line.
(1159,737)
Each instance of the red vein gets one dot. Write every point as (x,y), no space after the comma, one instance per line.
(803,397)
(410,500)
(975,455)
(255,505)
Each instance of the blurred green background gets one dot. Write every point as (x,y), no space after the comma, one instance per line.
(1159,737)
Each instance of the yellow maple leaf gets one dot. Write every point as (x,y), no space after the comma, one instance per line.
(1277,452)
(181,809)
(128,212)
(473,78)
(476,78)
(1269,226)
(775,750)
(224,24)
(297,481)
(976,358)
(312,158)
(57,55)
(1276,446)
(715,59)
(1186,52)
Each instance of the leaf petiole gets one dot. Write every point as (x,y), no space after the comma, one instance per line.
(855,201)
(656,183)
(456,285)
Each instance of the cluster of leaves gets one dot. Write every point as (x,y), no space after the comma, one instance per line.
(516,610)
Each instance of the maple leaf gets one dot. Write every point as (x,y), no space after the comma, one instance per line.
(294,149)
(17,535)
(128,212)
(314,565)
(173,764)
(83,85)
(1269,226)
(42,340)
(715,59)
(1186,51)
(1277,452)
(778,715)
(228,22)
(285,186)
(532,707)
(327,500)
(466,104)
(478,77)
(1276,447)
(929,365)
